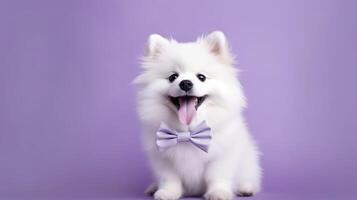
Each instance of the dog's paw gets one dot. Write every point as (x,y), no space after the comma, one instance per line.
(165,194)
(151,189)
(247,190)
(219,194)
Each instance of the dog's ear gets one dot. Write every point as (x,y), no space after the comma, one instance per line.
(218,45)
(155,44)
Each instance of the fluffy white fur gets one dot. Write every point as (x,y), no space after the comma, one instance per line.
(231,167)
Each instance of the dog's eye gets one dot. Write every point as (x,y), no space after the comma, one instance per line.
(201,77)
(173,77)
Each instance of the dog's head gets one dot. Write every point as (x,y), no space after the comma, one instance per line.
(188,82)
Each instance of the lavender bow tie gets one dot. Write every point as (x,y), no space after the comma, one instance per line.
(200,136)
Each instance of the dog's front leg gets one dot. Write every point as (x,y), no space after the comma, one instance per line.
(169,188)
(219,180)
(169,183)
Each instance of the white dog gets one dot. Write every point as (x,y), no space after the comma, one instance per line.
(183,85)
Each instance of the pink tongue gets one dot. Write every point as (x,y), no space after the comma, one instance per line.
(187,109)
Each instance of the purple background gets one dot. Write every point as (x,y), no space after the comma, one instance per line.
(68,125)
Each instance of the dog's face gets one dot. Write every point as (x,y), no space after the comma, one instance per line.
(186,82)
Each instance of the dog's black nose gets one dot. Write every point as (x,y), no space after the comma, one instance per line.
(186,85)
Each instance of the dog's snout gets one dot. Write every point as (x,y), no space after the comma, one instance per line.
(186,85)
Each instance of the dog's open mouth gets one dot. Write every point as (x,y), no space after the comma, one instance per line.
(187,107)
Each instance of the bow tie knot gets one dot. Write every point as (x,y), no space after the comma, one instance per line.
(183,137)
(200,136)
